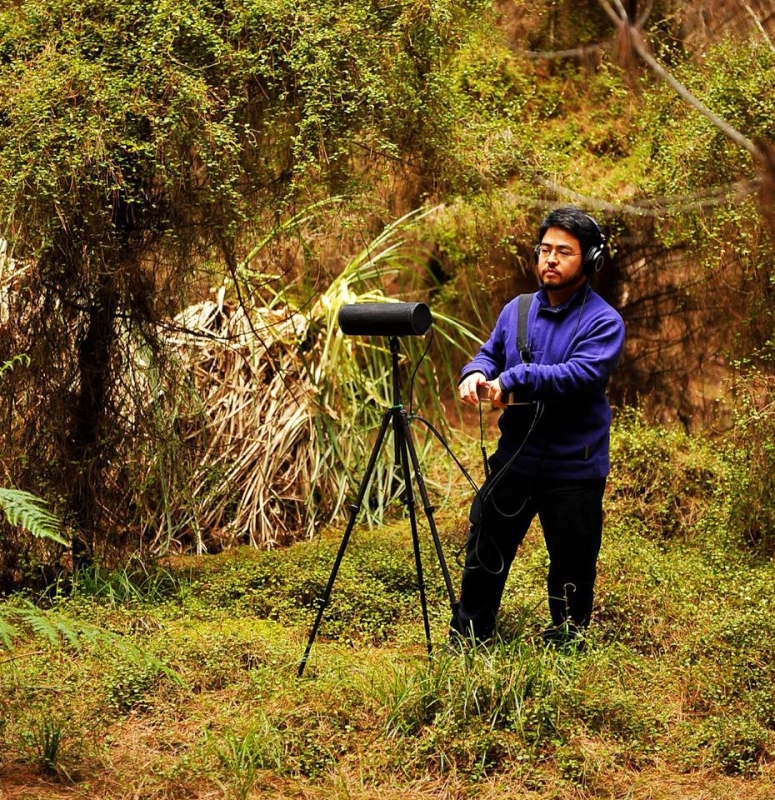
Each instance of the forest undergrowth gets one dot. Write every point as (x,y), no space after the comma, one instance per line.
(179,679)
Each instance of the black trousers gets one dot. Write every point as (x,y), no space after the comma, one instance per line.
(571,516)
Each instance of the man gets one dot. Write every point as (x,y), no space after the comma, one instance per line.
(553,454)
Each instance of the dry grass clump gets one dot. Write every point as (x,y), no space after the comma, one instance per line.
(260,403)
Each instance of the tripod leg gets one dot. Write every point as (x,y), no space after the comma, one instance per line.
(428,508)
(403,451)
(354,509)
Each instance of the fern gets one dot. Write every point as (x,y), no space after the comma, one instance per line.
(29,511)
(25,619)
(53,627)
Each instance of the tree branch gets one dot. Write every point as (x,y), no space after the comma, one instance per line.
(658,207)
(758,23)
(622,21)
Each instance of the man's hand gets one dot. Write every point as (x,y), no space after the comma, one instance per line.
(497,398)
(467,387)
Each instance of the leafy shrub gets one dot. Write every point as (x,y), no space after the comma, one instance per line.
(733,743)
(129,684)
(663,478)
(751,457)
(375,585)
(237,112)
(212,658)
(731,661)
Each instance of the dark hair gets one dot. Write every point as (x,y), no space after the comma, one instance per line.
(576,222)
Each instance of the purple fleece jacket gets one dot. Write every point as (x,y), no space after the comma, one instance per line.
(575,347)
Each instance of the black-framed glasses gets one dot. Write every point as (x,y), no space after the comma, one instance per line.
(563,253)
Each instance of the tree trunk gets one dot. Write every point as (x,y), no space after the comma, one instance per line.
(94,357)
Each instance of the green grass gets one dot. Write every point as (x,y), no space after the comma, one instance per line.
(179,680)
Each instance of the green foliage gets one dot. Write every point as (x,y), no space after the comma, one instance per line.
(751,478)
(687,154)
(510,686)
(732,79)
(44,737)
(140,102)
(129,682)
(675,678)
(143,146)
(242,756)
(737,743)
(11,363)
(376,584)
(135,583)
(53,627)
(142,143)
(665,480)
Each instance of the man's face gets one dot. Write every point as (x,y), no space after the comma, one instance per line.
(560,262)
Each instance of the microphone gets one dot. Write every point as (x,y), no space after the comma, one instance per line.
(385,319)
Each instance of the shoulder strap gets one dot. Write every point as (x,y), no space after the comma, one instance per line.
(523,308)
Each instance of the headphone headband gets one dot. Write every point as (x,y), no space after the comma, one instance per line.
(595,254)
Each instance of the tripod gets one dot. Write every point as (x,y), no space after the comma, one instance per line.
(406,456)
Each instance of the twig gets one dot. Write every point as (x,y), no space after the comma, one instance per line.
(549,55)
(22,655)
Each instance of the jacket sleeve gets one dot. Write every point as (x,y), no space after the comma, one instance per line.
(593,356)
(491,358)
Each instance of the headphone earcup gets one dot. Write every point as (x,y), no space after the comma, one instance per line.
(593,260)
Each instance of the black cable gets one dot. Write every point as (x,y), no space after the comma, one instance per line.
(414,371)
(484,493)
(466,475)
(505,468)
(487,494)
(444,444)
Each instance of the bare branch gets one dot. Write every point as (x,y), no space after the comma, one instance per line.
(658,207)
(551,55)
(644,15)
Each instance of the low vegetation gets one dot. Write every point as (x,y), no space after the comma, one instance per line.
(190,191)
(180,680)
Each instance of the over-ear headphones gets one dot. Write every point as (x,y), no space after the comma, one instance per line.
(595,255)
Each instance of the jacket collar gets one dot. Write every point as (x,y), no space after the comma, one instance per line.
(574,300)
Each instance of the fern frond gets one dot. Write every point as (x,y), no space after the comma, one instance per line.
(57,628)
(7,632)
(41,625)
(29,511)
